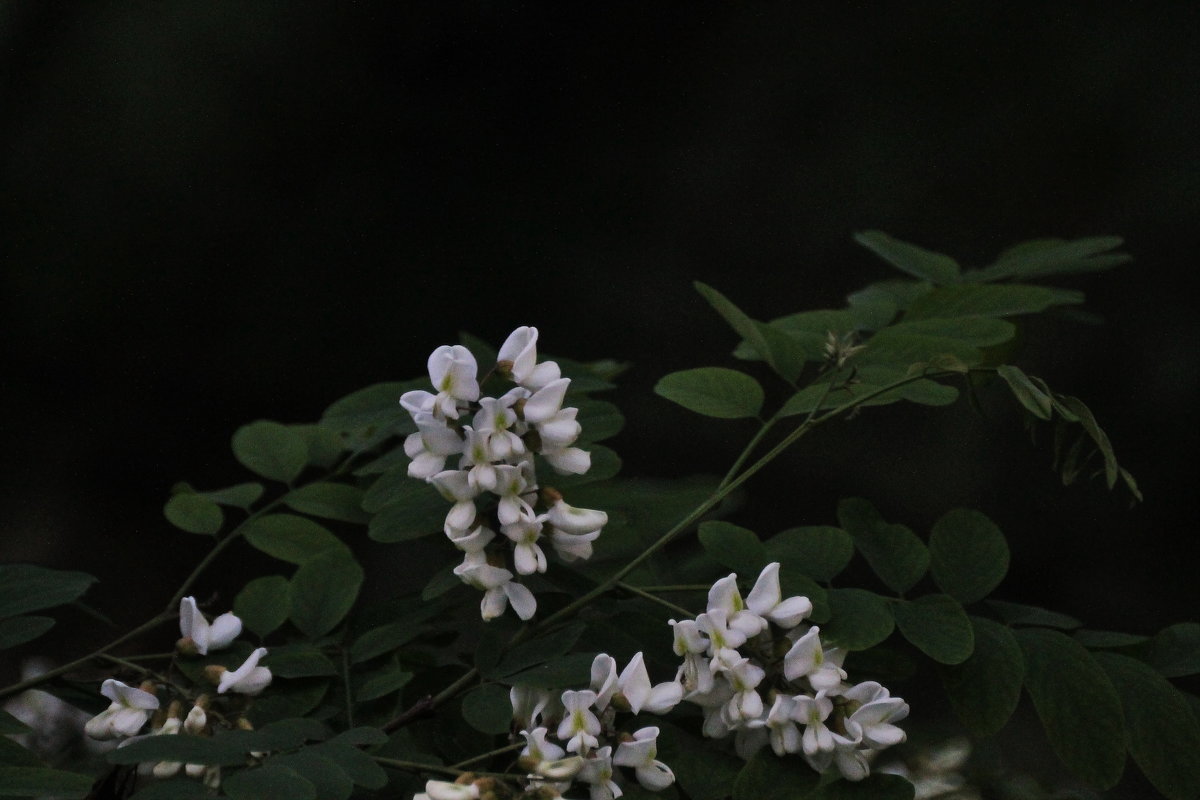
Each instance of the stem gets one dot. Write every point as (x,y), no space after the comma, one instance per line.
(417,766)
(79,662)
(679,587)
(489,754)
(665,603)
(748,449)
(346,687)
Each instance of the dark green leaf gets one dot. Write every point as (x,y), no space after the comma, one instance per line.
(416,510)
(976,331)
(968,555)
(879,302)
(324,446)
(194,513)
(984,690)
(713,392)
(937,625)
(1175,650)
(749,329)
(389,460)
(898,557)
(243,495)
(793,583)
(989,300)
(488,709)
(299,662)
(180,787)
(271,450)
(1164,734)
(899,347)
(877,786)
(264,604)
(1041,257)
(226,750)
(19,630)
(13,754)
(859,619)
(766,776)
(1077,705)
(361,736)
(25,587)
(323,591)
(10,724)
(538,651)
(338,501)
(374,409)
(1100,640)
(1017,614)
(268,782)
(383,639)
(870,392)
(41,782)
(819,551)
(1028,394)
(599,419)
(381,683)
(704,771)
(354,762)
(571,670)
(916,261)
(1084,414)
(734,547)
(443,581)
(288,700)
(283,734)
(291,538)
(330,781)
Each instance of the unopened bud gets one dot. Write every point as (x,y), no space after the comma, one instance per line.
(243,724)
(213,673)
(186,646)
(562,769)
(148,687)
(550,495)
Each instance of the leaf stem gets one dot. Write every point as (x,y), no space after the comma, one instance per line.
(418,766)
(489,754)
(654,598)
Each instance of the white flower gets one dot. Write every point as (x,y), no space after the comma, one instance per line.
(597,770)
(125,717)
(533,706)
(781,725)
(430,446)
(444,790)
(499,590)
(872,721)
(538,749)
(634,686)
(454,487)
(724,596)
(452,372)
(640,754)
(570,519)
(765,600)
(492,422)
(477,459)
(527,555)
(166,769)
(720,635)
(579,727)
(743,676)
(568,460)
(807,659)
(511,484)
(812,713)
(249,678)
(192,625)
(518,357)
(573,547)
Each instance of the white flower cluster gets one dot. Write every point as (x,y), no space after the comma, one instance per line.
(731,660)
(589,746)
(496,462)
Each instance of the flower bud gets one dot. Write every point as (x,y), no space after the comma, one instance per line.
(187,647)
(213,673)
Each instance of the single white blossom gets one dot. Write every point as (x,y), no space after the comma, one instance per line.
(579,727)
(766,600)
(125,717)
(249,678)
(452,372)
(499,590)
(641,755)
(598,771)
(808,659)
(518,357)
(192,625)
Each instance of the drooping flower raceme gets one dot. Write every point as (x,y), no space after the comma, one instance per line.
(500,518)
(731,664)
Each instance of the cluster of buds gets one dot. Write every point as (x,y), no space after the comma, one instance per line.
(496,463)
(132,708)
(762,676)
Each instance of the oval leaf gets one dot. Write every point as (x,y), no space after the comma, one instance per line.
(330,781)
(1077,705)
(768,777)
(984,690)
(898,557)
(819,551)
(916,261)
(338,501)
(269,782)
(264,604)
(271,450)
(194,513)
(291,538)
(858,619)
(1175,651)
(323,590)
(734,547)
(19,630)
(25,587)
(968,555)
(713,392)
(488,709)
(42,782)
(937,626)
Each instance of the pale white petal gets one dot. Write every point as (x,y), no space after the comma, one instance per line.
(224,630)
(523,601)
(569,460)
(766,593)
(545,402)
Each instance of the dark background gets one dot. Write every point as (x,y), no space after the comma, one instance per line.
(217,212)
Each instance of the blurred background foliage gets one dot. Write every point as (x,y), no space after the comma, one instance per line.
(219,212)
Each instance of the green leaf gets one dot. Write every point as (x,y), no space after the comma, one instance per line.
(488,709)
(25,587)
(984,690)
(1100,640)
(1084,414)
(877,786)
(226,750)
(1175,650)
(1028,394)
(264,604)
(300,661)
(599,419)
(1164,735)
(819,551)
(922,392)
(968,555)
(794,583)
(414,511)
(338,501)
(381,683)
(766,776)
(731,546)
(989,300)
(11,725)
(13,754)
(180,787)
(937,625)
(372,412)
(1077,705)
(323,591)
(327,777)
(713,392)
(703,771)
(324,446)
(42,782)
(899,347)
(288,700)
(194,513)
(354,762)
(899,558)
(268,782)
(574,669)
(243,495)
(1018,614)
(291,538)
(442,581)
(537,651)
(1041,257)
(749,329)
(916,261)
(859,619)
(383,639)
(19,630)
(879,302)
(271,450)
(361,736)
